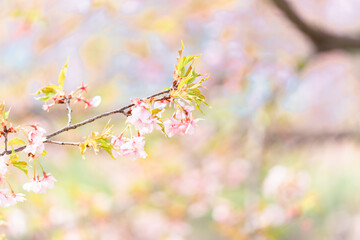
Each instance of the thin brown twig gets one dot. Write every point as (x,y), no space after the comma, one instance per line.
(63,143)
(120,110)
(67,102)
(87,121)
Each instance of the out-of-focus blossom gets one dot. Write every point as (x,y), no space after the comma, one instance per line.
(9,199)
(238,170)
(150,225)
(4,164)
(285,184)
(272,215)
(221,213)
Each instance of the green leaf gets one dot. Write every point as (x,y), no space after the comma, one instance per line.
(62,74)
(163,128)
(183,62)
(16,141)
(44,153)
(6,115)
(49,89)
(155,111)
(14,157)
(107,146)
(46,97)
(22,165)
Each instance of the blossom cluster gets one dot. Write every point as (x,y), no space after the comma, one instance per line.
(143,117)
(147,116)
(182,122)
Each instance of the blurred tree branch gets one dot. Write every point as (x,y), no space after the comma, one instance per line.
(321,39)
(294,138)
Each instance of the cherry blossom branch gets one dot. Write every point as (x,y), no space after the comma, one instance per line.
(120,110)
(87,121)
(321,39)
(63,143)
(142,116)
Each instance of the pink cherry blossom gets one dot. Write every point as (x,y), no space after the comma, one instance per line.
(34,186)
(117,142)
(38,185)
(3,164)
(48,180)
(130,147)
(181,127)
(171,126)
(160,104)
(9,199)
(36,140)
(190,125)
(141,117)
(184,111)
(148,126)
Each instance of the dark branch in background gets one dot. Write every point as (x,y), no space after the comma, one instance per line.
(321,39)
(286,139)
(67,128)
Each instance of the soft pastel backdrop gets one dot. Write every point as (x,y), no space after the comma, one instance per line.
(277,156)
